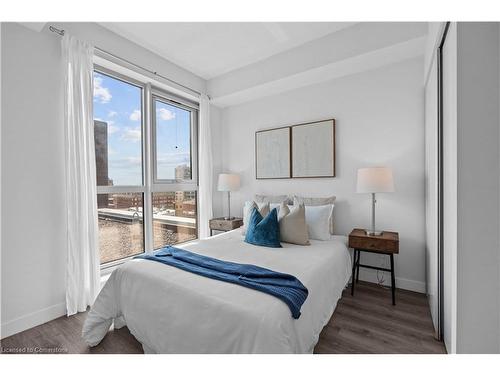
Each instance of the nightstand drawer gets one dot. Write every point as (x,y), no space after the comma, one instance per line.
(225,225)
(222,225)
(388,242)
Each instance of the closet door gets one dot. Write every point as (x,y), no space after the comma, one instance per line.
(441,183)
(431,192)
(449,183)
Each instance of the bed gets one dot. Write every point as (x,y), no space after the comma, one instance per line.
(169,310)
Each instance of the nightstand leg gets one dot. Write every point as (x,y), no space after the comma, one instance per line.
(393,282)
(353,276)
(357,272)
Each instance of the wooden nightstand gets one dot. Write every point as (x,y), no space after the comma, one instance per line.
(387,244)
(223,225)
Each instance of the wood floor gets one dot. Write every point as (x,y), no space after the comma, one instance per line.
(368,323)
(365,323)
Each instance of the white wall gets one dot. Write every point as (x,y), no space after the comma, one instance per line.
(478,246)
(33,225)
(379,121)
(217,137)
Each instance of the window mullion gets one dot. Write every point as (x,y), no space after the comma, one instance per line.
(147,157)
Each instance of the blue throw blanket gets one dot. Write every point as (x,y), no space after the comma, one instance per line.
(285,287)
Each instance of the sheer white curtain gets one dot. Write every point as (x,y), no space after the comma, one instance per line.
(82,269)
(205,168)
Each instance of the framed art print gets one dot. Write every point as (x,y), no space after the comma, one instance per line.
(272,153)
(313,149)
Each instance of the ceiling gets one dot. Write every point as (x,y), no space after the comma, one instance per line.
(210,49)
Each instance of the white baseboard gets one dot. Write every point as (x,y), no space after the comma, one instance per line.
(32,320)
(369,275)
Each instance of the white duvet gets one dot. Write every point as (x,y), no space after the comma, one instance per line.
(173,311)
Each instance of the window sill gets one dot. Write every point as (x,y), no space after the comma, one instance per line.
(106,271)
(104,279)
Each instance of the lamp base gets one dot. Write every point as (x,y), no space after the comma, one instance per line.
(373,233)
(228,217)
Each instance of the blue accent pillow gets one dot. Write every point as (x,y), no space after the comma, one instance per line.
(263,231)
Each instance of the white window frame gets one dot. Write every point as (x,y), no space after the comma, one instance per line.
(150,184)
(159,96)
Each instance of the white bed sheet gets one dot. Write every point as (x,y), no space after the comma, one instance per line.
(173,311)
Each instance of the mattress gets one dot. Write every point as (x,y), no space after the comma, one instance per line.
(170,310)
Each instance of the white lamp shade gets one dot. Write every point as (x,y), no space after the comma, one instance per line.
(228,182)
(375,180)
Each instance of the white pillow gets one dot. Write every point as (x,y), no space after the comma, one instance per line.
(316,202)
(318,221)
(247,210)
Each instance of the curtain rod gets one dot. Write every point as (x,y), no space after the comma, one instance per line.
(61,32)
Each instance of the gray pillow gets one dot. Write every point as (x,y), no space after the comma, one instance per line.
(307,201)
(293,226)
(314,201)
(259,198)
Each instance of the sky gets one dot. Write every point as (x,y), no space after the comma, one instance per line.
(119,104)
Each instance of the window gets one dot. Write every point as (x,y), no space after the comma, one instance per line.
(117,131)
(172,128)
(121,228)
(146,191)
(174,217)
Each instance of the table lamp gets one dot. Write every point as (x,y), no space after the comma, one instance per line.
(228,182)
(374,180)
